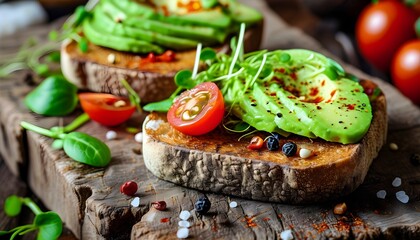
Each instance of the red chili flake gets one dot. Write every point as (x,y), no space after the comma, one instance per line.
(321,227)
(350,106)
(273,94)
(314,91)
(293,75)
(159,205)
(323,83)
(249,221)
(342,226)
(164,220)
(357,90)
(266,219)
(281,70)
(332,93)
(167,56)
(129,188)
(151,57)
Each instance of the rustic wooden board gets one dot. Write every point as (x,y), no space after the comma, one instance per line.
(89,202)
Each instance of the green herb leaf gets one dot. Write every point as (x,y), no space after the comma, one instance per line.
(42,70)
(87,149)
(54,57)
(49,224)
(55,96)
(207,54)
(12,206)
(417,27)
(285,57)
(57,144)
(334,70)
(79,15)
(162,106)
(83,45)
(184,79)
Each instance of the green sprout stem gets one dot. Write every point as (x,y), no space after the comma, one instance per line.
(132,95)
(79,121)
(41,131)
(32,205)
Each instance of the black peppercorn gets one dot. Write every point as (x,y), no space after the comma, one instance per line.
(202,206)
(272,143)
(289,149)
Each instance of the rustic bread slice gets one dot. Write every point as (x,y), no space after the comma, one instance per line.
(152,81)
(218,162)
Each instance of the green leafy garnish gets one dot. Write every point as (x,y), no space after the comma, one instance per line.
(48,224)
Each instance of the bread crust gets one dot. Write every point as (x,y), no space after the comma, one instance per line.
(219,163)
(152,81)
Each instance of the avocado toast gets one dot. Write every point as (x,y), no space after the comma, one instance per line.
(147,42)
(334,123)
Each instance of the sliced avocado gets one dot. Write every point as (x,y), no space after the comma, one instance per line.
(209,3)
(105,23)
(117,42)
(242,13)
(133,8)
(212,18)
(205,34)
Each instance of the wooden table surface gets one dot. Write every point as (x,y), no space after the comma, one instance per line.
(89,202)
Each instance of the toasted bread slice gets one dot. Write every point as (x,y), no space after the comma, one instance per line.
(152,81)
(218,162)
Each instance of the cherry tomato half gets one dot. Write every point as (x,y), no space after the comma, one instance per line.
(197,111)
(106,109)
(405,70)
(381,29)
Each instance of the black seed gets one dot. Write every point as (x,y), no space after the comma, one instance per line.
(364,104)
(279,115)
(415,159)
(289,149)
(340,122)
(272,143)
(202,206)
(253,104)
(268,110)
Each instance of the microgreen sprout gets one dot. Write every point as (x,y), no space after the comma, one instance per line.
(48,224)
(132,95)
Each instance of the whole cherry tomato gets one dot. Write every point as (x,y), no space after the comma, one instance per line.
(405,70)
(381,29)
(106,109)
(197,111)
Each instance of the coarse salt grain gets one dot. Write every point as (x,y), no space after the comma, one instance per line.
(402,196)
(381,194)
(233,204)
(286,235)
(182,233)
(139,137)
(111,135)
(184,215)
(153,124)
(135,202)
(305,153)
(396,182)
(184,224)
(393,146)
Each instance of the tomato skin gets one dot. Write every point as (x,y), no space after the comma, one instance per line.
(381,29)
(207,119)
(100,108)
(405,70)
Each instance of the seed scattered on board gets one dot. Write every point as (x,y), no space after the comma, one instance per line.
(139,137)
(184,224)
(111,58)
(396,182)
(135,202)
(286,235)
(381,194)
(305,153)
(111,135)
(393,146)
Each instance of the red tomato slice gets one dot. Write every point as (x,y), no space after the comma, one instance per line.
(197,111)
(106,109)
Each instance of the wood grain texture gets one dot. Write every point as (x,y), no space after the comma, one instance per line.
(89,201)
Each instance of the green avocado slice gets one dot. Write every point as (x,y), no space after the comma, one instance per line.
(117,42)
(104,23)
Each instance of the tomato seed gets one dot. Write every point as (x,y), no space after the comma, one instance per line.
(159,205)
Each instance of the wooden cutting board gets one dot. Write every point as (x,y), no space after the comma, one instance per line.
(90,204)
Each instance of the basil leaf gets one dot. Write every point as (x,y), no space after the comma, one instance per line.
(12,206)
(162,106)
(49,224)
(207,54)
(55,96)
(86,149)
